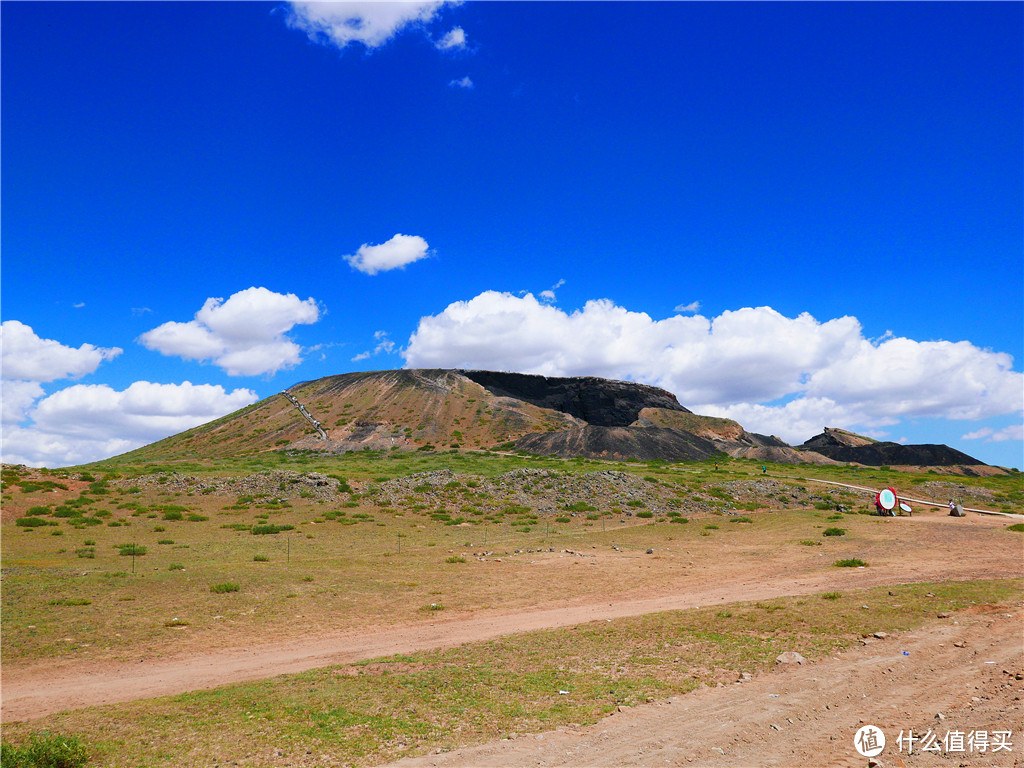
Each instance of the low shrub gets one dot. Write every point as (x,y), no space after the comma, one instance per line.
(834,532)
(46,750)
(270,528)
(223,587)
(852,562)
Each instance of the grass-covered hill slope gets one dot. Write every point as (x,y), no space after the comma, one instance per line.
(408,409)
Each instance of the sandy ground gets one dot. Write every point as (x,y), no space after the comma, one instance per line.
(961,675)
(34,691)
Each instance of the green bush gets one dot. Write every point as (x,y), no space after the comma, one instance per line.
(45,750)
(853,562)
(580,506)
(645,514)
(30,522)
(223,587)
(1019,527)
(260,559)
(127,550)
(173,515)
(834,532)
(270,528)
(563,519)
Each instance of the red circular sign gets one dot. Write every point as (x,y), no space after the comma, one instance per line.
(886,498)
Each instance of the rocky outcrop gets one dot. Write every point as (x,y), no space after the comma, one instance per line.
(600,402)
(643,443)
(846,446)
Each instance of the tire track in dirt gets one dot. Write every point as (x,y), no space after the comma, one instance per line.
(807,716)
(32,692)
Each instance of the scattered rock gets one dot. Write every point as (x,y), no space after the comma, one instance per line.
(960,644)
(880,635)
(790,657)
(944,615)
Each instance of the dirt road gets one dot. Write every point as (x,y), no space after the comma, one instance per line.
(965,675)
(35,691)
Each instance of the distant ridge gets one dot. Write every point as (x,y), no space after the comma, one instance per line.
(454,409)
(845,446)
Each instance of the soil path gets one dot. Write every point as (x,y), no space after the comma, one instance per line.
(31,692)
(960,675)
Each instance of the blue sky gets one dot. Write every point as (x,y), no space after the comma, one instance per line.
(797,215)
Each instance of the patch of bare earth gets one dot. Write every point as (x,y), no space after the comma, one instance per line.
(964,675)
(932,548)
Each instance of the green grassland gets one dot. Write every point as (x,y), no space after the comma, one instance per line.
(74,591)
(367,713)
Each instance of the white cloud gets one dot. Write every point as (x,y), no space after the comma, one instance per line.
(369,23)
(456,38)
(989,435)
(693,306)
(384,344)
(17,397)
(26,356)
(738,365)
(83,423)
(462,82)
(397,252)
(245,335)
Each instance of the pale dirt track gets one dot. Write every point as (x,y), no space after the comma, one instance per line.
(808,716)
(32,692)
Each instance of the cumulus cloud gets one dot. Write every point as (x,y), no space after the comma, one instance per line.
(17,397)
(693,306)
(87,422)
(396,253)
(462,82)
(27,357)
(772,373)
(370,23)
(245,335)
(456,38)
(989,435)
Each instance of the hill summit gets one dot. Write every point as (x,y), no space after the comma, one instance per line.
(440,409)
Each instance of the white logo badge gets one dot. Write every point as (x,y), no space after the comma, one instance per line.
(869,741)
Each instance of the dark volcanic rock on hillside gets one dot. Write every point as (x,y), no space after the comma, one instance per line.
(845,446)
(600,402)
(643,443)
